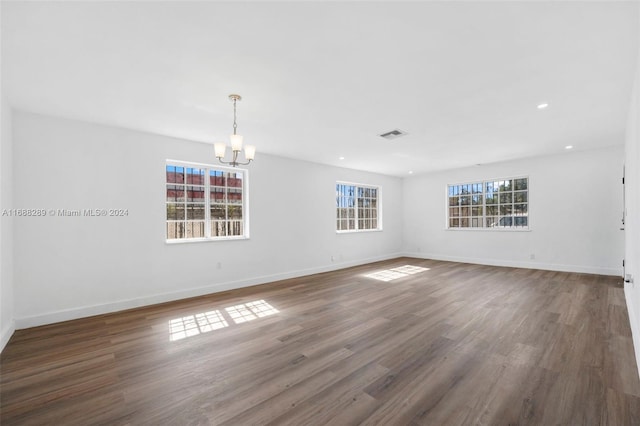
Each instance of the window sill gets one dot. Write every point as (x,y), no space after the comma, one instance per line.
(203,240)
(358,231)
(489,229)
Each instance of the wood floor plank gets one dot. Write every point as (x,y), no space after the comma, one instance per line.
(454,344)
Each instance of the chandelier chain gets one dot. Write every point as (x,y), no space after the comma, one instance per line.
(235,125)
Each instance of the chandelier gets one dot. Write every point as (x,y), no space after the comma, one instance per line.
(236,142)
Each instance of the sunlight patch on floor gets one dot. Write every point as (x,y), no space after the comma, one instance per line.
(193,325)
(387,275)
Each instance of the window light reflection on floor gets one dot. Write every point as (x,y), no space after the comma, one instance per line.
(250,311)
(387,275)
(192,325)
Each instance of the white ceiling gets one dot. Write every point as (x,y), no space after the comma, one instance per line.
(322,80)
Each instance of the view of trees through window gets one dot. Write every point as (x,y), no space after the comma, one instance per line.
(497,204)
(204,202)
(357,207)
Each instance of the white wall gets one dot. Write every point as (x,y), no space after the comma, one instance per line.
(7,325)
(632,225)
(574,213)
(77,266)
(68,267)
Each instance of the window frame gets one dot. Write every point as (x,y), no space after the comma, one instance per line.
(484,206)
(356,185)
(207,202)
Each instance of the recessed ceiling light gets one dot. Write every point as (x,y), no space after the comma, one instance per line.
(543,105)
(410,172)
(568,147)
(340,158)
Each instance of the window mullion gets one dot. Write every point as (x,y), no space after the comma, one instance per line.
(207,202)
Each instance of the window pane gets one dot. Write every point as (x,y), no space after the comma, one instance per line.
(195,229)
(175,230)
(454,223)
(465,211)
(195,193)
(492,221)
(521,221)
(454,201)
(491,198)
(374,223)
(219,228)
(476,211)
(175,193)
(464,222)
(520,197)
(505,185)
(520,209)
(505,197)
(476,222)
(195,212)
(454,211)
(505,221)
(218,211)
(234,228)
(218,195)
(216,178)
(465,200)
(175,211)
(195,177)
(175,174)
(476,200)
(520,184)
(505,210)
(234,180)
(234,196)
(492,210)
(235,212)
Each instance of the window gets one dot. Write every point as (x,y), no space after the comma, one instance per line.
(495,204)
(357,207)
(205,202)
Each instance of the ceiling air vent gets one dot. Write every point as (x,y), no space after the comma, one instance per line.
(393,134)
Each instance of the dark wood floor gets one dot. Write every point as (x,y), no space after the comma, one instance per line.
(454,344)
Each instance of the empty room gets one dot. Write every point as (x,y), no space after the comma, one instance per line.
(320,213)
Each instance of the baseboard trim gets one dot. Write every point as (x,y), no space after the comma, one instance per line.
(88,311)
(6,334)
(517,264)
(635,332)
